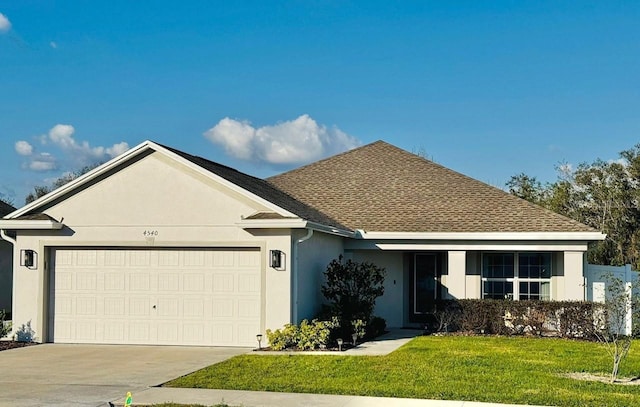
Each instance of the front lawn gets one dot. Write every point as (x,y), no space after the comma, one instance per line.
(490,369)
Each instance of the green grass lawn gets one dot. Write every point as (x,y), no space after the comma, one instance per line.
(492,369)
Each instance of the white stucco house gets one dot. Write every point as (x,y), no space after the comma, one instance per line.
(6,265)
(158,246)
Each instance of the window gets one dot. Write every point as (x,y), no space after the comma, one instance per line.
(523,276)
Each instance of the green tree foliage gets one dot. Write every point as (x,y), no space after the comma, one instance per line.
(526,187)
(604,195)
(352,288)
(42,190)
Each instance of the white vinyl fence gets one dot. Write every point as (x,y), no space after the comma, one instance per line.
(596,278)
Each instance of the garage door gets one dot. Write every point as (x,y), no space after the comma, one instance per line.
(205,297)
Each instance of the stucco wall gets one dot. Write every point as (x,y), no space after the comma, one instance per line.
(390,305)
(181,208)
(6,275)
(314,255)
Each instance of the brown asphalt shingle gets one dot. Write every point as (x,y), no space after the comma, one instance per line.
(5,209)
(382,188)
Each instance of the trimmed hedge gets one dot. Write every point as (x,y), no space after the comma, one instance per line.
(566,319)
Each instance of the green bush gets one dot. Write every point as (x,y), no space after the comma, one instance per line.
(284,338)
(569,319)
(308,336)
(376,327)
(315,334)
(352,289)
(359,328)
(5,327)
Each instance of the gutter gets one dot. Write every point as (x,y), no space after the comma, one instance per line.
(497,236)
(4,236)
(294,275)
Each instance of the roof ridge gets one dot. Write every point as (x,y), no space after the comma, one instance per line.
(353,150)
(389,188)
(182,153)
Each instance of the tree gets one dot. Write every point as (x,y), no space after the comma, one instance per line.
(352,288)
(615,325)
(6,199)
(526,187)
(603,194)
(41,190)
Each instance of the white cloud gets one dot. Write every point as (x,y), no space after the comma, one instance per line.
(297,141)
(117,149)
(5,24)
(42,162)
(75,154)
(53,45)
(61,135)
(24,148)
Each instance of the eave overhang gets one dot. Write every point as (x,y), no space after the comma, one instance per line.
(292,223)
(17,224)
(482,236)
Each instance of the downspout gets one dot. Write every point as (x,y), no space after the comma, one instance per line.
(4,236)
(294,277)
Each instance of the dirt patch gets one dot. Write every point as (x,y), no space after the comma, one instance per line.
(627,381)
(6,345)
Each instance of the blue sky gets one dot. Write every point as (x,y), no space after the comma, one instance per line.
(489,89)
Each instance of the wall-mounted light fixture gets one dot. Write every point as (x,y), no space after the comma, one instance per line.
(275,259)
(28,258)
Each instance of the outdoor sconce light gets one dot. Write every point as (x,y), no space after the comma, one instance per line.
(340,342)
(259,338)
(275,259)
(28,258)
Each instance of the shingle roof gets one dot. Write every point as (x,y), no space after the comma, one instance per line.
(36,216)
(262,189)
(5,209)
(382,188)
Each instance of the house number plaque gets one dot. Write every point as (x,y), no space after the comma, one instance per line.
(150,233)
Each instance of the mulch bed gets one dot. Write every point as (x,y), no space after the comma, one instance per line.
(6,345)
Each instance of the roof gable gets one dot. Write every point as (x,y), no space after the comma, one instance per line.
(5,208)
(261,188)
(380,187)
(255,188)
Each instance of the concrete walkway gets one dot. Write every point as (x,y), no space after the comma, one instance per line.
(271,399)
(381,346)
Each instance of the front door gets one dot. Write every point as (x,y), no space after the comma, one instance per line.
(425,282)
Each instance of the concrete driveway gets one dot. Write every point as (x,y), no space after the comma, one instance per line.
(93,375)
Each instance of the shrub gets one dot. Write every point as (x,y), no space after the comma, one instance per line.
(576,319)
(569,319)
(307,336)
(5,327)
(376,327)
(315,334)
(359,328)
(352,289)
(287,337)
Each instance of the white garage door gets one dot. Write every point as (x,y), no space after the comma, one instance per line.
(205,297)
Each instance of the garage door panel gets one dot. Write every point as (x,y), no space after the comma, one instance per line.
(156,296)
(114,281)
(114,306)
(114,331)
(169,282)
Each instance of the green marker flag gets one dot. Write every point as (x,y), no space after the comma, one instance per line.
(128,400)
